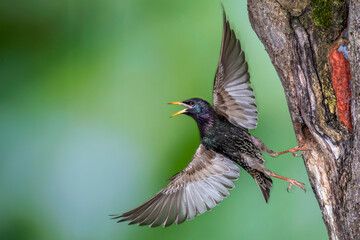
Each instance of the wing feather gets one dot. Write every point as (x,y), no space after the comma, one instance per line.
(198,188)
(232,96)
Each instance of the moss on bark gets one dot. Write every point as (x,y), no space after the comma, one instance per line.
(322,12)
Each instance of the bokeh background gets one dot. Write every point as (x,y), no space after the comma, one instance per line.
(85,128)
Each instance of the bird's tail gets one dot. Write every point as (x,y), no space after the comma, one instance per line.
(264,182)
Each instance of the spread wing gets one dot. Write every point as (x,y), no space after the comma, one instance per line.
(198,188)
(232,96)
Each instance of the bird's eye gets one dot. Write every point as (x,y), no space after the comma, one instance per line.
(191,103)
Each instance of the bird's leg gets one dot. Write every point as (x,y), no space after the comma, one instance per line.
(259,144)
(291,181)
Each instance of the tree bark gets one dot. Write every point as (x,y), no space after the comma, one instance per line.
(314,45)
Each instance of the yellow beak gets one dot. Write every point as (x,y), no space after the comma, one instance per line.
(179,112)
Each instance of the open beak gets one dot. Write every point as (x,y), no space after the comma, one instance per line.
(182,111)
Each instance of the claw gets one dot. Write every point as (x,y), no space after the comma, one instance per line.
(296,184)
(296,149)
(291,181)
(293,151)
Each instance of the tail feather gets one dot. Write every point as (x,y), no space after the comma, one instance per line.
(264,182)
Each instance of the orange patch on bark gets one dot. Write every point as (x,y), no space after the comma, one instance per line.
(341,77)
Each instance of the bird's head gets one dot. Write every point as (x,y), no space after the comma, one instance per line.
(196,108)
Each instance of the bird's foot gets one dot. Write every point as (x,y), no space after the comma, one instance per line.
(292,150)
(291,181)
(296,149)
(296,184)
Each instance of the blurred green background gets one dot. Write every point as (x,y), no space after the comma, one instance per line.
(85,128)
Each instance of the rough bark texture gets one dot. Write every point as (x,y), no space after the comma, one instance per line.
(301,36)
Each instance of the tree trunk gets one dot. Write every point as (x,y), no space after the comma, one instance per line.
(308,42)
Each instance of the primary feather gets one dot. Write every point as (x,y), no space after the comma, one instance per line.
(198,188)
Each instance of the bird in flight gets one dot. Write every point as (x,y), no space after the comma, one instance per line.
(225,144)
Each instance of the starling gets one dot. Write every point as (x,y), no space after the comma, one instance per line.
(225,144)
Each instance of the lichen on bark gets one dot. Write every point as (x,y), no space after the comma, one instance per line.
(324,20)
